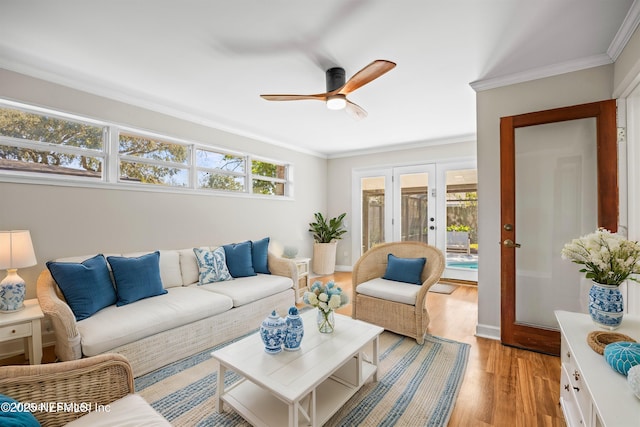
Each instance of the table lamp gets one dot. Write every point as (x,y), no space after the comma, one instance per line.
(16,251)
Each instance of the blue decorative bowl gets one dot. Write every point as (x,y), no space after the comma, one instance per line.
(622,356)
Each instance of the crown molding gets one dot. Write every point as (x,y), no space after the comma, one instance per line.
(542,72)
(405,146)
(625,31)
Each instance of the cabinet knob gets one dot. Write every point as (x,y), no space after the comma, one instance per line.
(13,331)
(569,354)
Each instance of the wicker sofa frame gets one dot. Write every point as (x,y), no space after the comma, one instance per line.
(153,352)
(404,319)
(100,380)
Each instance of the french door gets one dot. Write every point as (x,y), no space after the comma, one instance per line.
(431,203)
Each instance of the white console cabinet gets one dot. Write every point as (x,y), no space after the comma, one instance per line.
(592,394)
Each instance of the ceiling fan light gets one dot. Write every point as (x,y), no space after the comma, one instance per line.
(336,102)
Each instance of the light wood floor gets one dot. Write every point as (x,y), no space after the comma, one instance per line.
(503,386)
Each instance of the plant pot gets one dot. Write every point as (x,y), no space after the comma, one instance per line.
(324,258)
(606,305)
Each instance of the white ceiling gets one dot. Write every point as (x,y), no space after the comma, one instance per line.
(209,60)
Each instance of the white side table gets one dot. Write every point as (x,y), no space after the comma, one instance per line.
(302,286)
(25,324)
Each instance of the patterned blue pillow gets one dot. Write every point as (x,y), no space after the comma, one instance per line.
(212,265)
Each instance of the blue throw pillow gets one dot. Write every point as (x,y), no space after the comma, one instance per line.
(406,270)
(212,265)
(259,255)
(86,286)
(136,278)
(239,259)
(11,417)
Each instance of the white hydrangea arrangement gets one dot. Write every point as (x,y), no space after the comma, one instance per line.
(608,258)
(327,297)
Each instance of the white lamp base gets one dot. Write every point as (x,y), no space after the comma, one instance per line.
(12,292)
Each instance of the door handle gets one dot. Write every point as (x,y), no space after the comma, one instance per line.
(510,244)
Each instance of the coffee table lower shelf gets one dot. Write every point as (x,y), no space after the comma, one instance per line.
(263,409)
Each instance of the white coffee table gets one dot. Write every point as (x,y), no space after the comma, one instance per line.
(304,387)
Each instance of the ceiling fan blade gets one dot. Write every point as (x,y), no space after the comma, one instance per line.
(355,111)
(366,75)
(318,96)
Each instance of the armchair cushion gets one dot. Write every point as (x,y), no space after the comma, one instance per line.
(390,290)
(86,286)
(407,270)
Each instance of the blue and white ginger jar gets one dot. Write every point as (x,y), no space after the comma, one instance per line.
(606,305)
(295,330)
(272,332)
(11,295)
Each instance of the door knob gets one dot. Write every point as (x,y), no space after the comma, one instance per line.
(511,244)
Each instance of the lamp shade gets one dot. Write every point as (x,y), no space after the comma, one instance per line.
(16,249)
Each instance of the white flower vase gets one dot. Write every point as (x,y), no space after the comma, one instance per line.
(606,306)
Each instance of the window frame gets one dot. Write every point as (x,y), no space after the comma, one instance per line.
(112,159)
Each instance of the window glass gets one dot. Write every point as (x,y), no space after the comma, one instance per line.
(40,128)
(268,187)
(267,169)
(146,173)
(215,160)
(45,161)
(137,146)
(219,181)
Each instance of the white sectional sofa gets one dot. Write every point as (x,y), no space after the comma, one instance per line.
(190,317)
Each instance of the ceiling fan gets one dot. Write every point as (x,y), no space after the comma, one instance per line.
(337,89)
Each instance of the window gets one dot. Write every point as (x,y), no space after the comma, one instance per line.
(36,141)
(152,161)
(220,171)
(44,143)
(268,178)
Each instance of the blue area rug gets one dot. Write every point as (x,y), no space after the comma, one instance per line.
(417,386)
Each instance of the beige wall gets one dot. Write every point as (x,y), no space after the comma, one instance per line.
(339,177)
(68,221)
(579,87)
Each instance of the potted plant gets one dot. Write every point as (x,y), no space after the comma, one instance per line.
(326,232)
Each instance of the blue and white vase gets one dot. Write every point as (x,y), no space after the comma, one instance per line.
(272,332)
(295,330)
(12,291)
(606,305)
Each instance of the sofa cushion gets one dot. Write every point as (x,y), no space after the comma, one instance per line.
(188,266)
(391,290)
(239,259)
(245,290)
(260,255)
(129,411)
(212,265)
(85,285)
(169,267)
(136,278)
(406,270)
(115,326)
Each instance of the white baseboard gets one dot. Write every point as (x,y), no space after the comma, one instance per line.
(344,268)
(487,331)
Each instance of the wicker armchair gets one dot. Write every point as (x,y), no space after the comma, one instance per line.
(95,381)
(406,319)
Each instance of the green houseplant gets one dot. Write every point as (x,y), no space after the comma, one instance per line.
(326,232)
